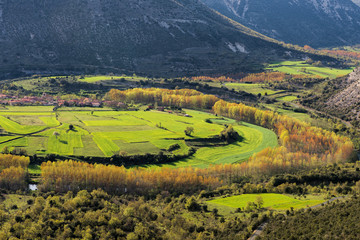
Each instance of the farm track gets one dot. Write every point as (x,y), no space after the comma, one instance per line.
(30,134)
(258,231)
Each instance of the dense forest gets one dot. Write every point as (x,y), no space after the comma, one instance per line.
(334,221)
(97,215)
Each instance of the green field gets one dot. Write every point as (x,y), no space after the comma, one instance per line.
(93,79)
(300,67)
(288,98)
(255,139)
(34,169)
(103,132)
(33,83)
(272,201)
(253,88)
(14,127)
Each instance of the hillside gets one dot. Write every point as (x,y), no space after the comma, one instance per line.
(348,98)
(318,23)
(350,94)
(357,2)
(153,37)
(338,97)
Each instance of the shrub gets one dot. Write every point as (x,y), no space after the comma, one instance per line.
(174,147)
(192,205)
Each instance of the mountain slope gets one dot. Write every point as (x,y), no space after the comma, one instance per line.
(146,36)
(357,2)
(347,100)
(339,97)
(319,23)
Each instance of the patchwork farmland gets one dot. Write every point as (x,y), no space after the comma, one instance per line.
(103,132)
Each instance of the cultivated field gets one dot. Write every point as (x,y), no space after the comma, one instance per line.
(255,139)
(300,67)
(104,132)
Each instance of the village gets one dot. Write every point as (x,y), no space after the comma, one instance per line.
(48,100)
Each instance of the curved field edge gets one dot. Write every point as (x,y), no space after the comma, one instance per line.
(255,139)
(109,133)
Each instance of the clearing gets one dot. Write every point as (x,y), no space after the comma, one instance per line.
(272,201)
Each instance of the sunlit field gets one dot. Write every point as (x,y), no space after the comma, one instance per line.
(104,132)
(300,67)
(271,201)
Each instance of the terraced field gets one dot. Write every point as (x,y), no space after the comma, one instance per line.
(105,132)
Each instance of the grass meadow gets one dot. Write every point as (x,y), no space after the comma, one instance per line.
(272,201)
(94,79)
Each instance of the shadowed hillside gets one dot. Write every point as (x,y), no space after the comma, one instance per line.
(153,37)
(318,23)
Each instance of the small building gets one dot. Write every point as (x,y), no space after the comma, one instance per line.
(96,104)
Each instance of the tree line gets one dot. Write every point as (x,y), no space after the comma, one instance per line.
(180,98)
(253,78)
(268,77)
(13,172)
(342,53)
(302,146)
(70,175)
